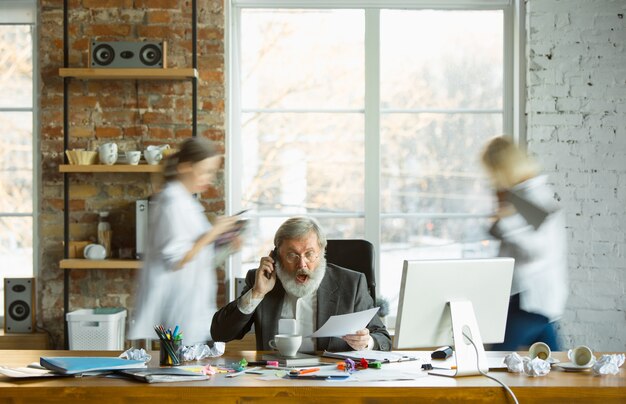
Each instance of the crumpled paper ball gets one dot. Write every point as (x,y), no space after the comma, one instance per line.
(536,367)
(514,363)
(608,365)
(136,355)
(201,351)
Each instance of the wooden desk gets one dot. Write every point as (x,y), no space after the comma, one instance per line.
(558,386)
(31,340)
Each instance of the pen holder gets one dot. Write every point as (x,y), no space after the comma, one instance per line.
(171,352)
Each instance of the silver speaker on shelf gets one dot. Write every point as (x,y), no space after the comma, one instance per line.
(119,54)
(19,305)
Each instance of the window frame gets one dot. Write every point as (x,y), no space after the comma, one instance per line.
(24,12)
(513,94)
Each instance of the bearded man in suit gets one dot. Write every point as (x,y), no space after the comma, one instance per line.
(295,282)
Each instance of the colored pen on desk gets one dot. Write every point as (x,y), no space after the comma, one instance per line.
(303,371)
(263,363)
(235,374)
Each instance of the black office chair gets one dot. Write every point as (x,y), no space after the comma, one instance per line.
(357,255)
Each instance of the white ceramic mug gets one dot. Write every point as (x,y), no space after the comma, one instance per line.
(153,156)
(581,356)
(107,153)
(539,350)
(94,252)
(133,157)
(286,344)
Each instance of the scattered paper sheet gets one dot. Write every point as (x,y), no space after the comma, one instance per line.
(26,372)
(386,375)
(343,324)
(381,356)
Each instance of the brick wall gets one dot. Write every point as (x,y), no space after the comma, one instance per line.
(576,108)
(133,114)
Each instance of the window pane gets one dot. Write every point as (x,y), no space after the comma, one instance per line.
(16,249)
(431,162)
(16,66)
(302,58)
(264,229)
(409,239)
(16,162)
(303,163)
(441,59)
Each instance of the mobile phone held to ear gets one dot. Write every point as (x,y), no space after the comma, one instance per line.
(274,256)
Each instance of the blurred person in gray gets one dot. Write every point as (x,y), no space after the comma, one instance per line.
(178,282)
(295,282)
(531,229)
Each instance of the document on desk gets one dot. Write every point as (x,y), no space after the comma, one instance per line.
(344,324)
(26,372)
(380,356)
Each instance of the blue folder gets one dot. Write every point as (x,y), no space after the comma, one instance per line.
(80,364)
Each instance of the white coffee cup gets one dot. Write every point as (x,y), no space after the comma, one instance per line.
(581,356)
(94,252)
(153,156)
(133,157)
(286,344)
(107,153)
(539,350)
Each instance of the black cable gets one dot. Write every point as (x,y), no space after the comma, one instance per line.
(507,388)
(50,336)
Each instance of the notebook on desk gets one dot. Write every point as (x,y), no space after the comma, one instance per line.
(301,359)
(163,375)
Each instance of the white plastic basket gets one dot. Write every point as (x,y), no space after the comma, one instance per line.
(89,331)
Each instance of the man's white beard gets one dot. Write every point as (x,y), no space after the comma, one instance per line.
(296,289)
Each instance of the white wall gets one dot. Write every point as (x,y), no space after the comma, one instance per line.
(576,105)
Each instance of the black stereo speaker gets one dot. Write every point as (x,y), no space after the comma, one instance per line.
(112,54)
(19,305)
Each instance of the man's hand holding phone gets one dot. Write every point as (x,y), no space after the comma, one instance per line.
(265,276)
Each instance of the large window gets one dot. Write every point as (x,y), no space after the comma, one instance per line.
(17,112)
(372,121)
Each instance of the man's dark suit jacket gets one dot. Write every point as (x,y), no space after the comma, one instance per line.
(342,291)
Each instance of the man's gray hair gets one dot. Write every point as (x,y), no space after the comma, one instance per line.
(297,228)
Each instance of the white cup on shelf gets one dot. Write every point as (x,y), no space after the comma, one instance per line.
(153,156)
(94,252)
(133,157)
(107,153)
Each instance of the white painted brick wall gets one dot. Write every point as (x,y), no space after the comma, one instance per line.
(576,106)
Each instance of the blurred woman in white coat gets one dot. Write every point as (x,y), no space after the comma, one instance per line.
(178,281)
(531,229)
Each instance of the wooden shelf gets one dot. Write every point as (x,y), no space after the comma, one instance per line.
(115,168)
(132,74)
(74,263)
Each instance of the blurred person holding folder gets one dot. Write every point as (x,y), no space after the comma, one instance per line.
(178,282)
(531,229)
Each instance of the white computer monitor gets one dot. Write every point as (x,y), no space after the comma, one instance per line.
(442,299)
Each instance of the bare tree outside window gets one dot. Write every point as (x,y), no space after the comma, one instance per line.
(303,128)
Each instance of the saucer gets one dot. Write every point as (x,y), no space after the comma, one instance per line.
(572,367)
(553,361)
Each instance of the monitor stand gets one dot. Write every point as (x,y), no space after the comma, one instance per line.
(464,321)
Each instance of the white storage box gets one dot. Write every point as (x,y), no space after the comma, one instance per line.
(90,331)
